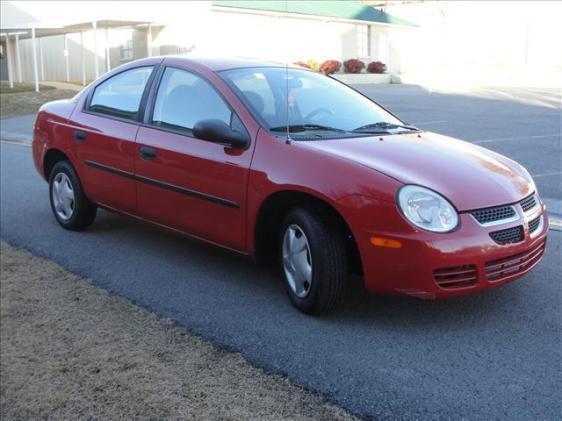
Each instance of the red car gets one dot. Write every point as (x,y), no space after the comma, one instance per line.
(293,167)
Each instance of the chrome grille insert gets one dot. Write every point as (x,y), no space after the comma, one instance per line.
(508,236)
(496,215)
(528,203)
(498,269)
(456,276)
(506,213)
(534,224)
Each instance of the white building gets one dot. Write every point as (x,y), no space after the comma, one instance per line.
(76,41)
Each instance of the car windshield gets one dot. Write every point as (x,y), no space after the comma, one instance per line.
(309,105)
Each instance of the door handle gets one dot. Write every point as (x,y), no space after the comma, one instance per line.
(147,153)
(79,136)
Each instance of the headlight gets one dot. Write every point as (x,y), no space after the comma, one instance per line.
(427,209)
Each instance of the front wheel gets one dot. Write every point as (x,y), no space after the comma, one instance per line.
(313,260)
(69,204)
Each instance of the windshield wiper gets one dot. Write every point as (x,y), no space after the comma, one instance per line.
(384,125)
(295,128)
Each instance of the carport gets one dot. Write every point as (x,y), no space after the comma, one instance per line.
(36,31)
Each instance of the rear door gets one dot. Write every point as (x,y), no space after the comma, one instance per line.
(105,132)
(186,183)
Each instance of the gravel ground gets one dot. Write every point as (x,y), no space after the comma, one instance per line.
(73,351)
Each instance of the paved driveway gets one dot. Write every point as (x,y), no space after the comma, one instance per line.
(495,355)
(17,129)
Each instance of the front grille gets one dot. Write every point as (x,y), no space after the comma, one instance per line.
(488,215)
(456,276)
(534,224)
(498,269)
(528,203)
(508,236)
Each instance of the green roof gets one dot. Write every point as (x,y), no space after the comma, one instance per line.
(342,9)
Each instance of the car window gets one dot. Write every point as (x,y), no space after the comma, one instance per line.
(258,92)
(184,98)
(304,101)
(121,95)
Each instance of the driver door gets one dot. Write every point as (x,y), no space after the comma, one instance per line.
(192,185)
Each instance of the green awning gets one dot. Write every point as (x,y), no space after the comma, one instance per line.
(342,9)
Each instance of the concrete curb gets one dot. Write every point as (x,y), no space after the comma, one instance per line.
(554,206)
(554,210)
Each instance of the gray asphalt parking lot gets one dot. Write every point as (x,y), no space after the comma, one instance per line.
(491,356)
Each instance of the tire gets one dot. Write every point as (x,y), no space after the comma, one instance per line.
(325,254)
(70,206)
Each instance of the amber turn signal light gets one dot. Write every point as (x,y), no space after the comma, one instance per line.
(385,242)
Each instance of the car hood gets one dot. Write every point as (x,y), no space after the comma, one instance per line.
(470,176)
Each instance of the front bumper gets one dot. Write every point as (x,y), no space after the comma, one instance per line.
(466,261)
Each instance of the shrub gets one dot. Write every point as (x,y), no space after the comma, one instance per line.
(376,67)
(353,65)
(302,64)
(312,65)
(330,66)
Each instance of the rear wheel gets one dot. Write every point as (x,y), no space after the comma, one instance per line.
(70,206)
(313,260)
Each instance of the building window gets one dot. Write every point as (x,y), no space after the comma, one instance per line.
(364,41)
(127,50)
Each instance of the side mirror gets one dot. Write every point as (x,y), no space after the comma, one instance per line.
(218,131)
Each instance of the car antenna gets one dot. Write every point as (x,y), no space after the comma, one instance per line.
(288,138)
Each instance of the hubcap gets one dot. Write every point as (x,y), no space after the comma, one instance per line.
(63,196)
(297,261)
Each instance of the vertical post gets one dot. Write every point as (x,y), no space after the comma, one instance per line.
(18,58)
(149,40)
(96,61)
(41,61)
(83,58)
(10,62)
(34,50)
(526,49)
(369,42)
(107,57)
(66,56)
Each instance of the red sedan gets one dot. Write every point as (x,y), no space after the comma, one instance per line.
(295,168)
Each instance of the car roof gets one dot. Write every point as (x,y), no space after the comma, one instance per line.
(217,64)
